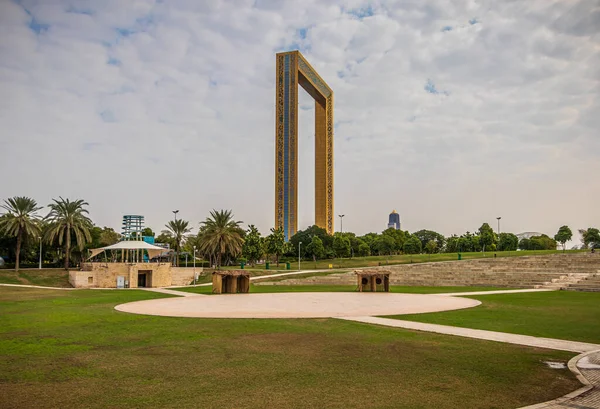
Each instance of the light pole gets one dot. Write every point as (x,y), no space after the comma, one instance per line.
(40,266)
(299,246)
(175,261)
(194,265)
(341,222)
(498,218)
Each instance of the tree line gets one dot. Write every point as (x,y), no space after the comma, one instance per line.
(68,232)
(317,244)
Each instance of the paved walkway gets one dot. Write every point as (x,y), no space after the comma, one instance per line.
(587,369)
(585,366)
(171,292)
(37,286)
(550,343)
(254,278)
(527,290)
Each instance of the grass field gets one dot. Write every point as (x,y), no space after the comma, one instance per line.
(50,277)
(372,261)
(72,349)
(340,288)
(558,314)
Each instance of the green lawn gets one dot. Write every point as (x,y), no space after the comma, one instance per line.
(48,277)
(340,288)
(72,349)
(372,261)
(557,314)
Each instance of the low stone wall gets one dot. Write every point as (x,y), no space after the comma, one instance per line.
(83,279)
(184,275)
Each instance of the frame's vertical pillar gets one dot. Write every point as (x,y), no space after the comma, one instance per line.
(286,145)
(294,70)
(279,160)
(321,164)
(293,147)
(329,175)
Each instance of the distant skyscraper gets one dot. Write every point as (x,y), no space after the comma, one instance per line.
(394,220)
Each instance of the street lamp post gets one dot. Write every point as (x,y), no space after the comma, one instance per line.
(299,246)
(194,265)
(498,218)
(175,261)
(341,222)
(40,266)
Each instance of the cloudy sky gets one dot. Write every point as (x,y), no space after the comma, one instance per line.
(450,112)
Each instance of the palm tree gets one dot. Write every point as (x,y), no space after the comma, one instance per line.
(20,221)
(221,235)
(68,217)
(177,229)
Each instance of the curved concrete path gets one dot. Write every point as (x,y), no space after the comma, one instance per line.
(296,305)
(171,292)
(274,275)
(38,286)
(538,342)
(585,366)
(587,369)
(492,292)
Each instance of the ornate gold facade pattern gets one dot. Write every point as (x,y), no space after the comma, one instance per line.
(293,70)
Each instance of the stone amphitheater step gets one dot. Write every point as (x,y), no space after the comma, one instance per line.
(591,283)
(584,288)
(554,271)
(564,281)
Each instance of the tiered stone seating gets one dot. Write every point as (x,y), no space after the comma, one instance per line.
(554,271)
(591,283)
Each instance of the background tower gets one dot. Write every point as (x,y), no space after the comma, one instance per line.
(394,220)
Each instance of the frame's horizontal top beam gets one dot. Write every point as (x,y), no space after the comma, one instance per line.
(310,80)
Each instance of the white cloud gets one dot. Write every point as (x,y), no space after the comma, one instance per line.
(181,94)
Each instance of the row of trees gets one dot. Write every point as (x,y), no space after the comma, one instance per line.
(65,226)
(314,243)
(68,231)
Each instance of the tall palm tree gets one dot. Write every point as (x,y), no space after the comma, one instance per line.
(68,217)
(20,221)
(177,229)
(221,235)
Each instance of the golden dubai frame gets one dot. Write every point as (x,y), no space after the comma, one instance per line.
(294,70)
